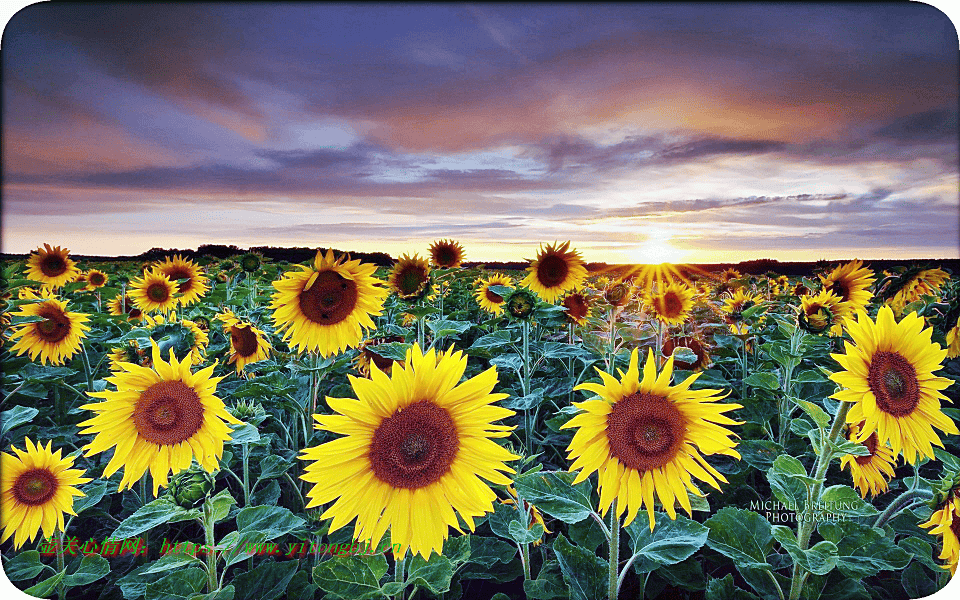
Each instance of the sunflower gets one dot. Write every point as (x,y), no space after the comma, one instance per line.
(410,278)
(536,517)
(251,262)
(953,341)
(695,344)
(52,267)
(619,293)
(889,377)
(57,337)
(195,286)
(945,522)
(123,304)
(734,305)
(154,291)
(414,449)
(446,253)
(821,313)
(645,435)
(367,356)
(521,303)
(326,307)
(182,336)
(555,271)
(488,300)
(729,275)
(872,472)
(671,304)
(247,343)
(95,280)
(850,283)
(914,285)
(160,419)
(578,308)
(128,353)
(36,488)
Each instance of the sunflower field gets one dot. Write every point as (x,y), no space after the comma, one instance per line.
(203,428)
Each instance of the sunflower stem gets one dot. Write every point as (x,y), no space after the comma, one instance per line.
(86,366)
(245,449)
(573,379)
(902,502)
(61,566)
(209,541)
(525,387)
(612,347)
(399,574)
(614,570)
(805,529)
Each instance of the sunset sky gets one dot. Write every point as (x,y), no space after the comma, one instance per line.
(640,132)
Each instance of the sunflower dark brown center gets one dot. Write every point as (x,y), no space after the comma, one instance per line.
(415,447)
(35,487)
(893,381)
(840,288)
(955,526)
(552,270)
(691,344)
(96,279)
(53,265)
(410,280)
(871,445)
(645,431)
(330,299)
(446,256)
(176,273)
(491,297)
(168,412)
(244,340)
(55,325)
(577,307)
(158,292)
(671,305)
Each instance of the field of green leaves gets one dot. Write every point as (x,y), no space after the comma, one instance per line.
(518,471)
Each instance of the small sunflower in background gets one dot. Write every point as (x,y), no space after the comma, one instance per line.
(888,376)
(870,473)
(536,517)
(446,254)
(251,262)
(182,336)
(645,437)
(326,307)
(671,304)
(578,308)
(36,487)
(619,293)
(195,286)
(945,522)
(247,343)
(521,303)
(159,419)
(95,280)
(556,270)
(416,449)
(734,306)
(488,300)
(153,292)
(367,356)
(57,337)
(410,278)
(124,305)
(693,343)
(51,266)
(851,282)
(911,286)
(821,313)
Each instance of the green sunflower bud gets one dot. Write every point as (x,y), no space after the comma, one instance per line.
(520,303)
(188,488)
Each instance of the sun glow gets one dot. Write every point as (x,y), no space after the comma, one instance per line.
(657,248)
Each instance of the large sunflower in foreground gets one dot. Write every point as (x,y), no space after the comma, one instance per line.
(671,304)
(556,270)
(889,377)
(248,344)
(446,253)
(153,292)
(489,300)
(36,488)
(415,447)
(945,522)
(325,307)
(159,419)
(57,337)
(410,278)
(850,282)
(195,286)
(646,436)
(52,267)
(870,473)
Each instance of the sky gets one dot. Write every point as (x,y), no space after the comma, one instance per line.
(642,133)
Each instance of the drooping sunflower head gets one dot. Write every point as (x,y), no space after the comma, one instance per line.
(159,419)
(619,293)
(128,353)
(888,376)
(248,344)
(52,267)
(446,254)
(415,446)
(327,306)
(536,517)
(578,308)
(556,270)
(645,435)
(695,344)
(912,285)
(154,292)
(96,279)
(178,268)
(800,290)
(489,300)
(851,282)
(945,522)
(181,336)
(410,278)
(57,337)
(521,303)
(870,473)
(819,313)
(367,355)
(121,305)
(671,304)
(36,488)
